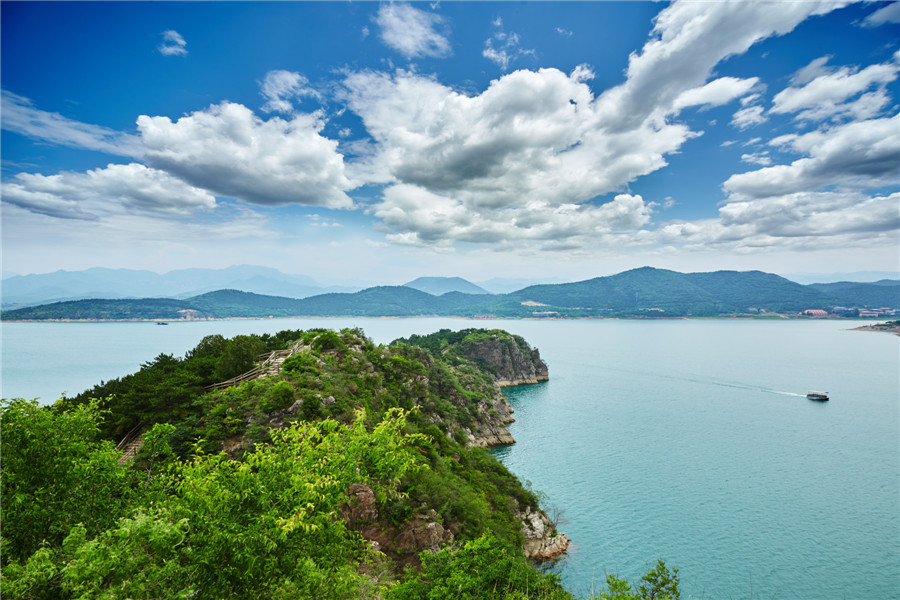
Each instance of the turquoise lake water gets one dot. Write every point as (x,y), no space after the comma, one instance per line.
(689,441)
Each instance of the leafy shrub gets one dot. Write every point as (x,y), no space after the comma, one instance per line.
(326,339)
(56,473)
(278,397)
(311,407)
(483,569)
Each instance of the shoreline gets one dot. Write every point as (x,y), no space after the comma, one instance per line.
(895,329)
(772,317)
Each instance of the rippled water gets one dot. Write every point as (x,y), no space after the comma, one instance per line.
(690,441)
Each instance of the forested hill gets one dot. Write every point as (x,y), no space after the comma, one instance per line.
(322,478)
(644,292)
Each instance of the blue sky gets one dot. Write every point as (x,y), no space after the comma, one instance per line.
(386,141)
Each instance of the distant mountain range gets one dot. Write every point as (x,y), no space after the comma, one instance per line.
(28,290)
(877,294)
(644,292)
(183,283)
(860,276)
(438,286)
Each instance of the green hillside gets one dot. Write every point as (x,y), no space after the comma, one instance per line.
(880,294)
(234,303)
(353,471)
(755,289)
(628,292)
(644,292)
(382,301)
(144,309)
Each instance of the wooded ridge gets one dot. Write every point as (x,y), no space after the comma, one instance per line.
(639,293)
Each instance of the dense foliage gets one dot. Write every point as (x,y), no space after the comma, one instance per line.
(167,388)
(245,492)
(208,527)
(879,294)
(644,292)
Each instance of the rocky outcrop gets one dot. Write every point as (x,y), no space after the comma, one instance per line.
(508,357)
(361,507)
(542,541)
(495,437)
(511,361)
(423,531)
(493,431)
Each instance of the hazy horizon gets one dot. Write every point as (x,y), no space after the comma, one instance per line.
(802,278)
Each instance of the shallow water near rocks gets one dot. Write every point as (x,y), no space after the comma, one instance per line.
(689,441)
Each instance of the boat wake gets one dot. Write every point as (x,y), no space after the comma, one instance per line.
(709,381)
(742,386)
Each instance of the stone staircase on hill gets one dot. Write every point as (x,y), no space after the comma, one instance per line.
(130,444)
(269,365)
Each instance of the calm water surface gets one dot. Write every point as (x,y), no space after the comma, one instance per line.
(689,441)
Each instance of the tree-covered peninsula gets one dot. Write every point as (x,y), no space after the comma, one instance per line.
(305,464)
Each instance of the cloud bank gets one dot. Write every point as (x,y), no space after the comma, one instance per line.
(537,159)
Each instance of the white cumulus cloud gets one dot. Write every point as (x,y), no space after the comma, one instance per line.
(889,13)
(99,193)
(279,87)
(230,151)
(412,32)
(748,117)
(532,156)
(532,135)
(687,41)
(716,93)
(826,94)
(859,155)
(173,44)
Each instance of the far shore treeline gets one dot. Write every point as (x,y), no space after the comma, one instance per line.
(639,293)
(347,470)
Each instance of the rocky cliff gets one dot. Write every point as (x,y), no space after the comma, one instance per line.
(508,357)
(403,542)
(511,361)
(542,540)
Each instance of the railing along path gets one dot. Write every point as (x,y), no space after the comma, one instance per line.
(269,364)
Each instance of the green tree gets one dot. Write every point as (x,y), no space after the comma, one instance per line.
(56,473)
(266,526)
(239,355)
(482,569)
(660,583)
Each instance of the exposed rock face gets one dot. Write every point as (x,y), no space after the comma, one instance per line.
(542,541)
(404,543)
(512,362)
(423,532)
(361,507)
(546,548)
(495,437)
(493,431)
(510,359)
